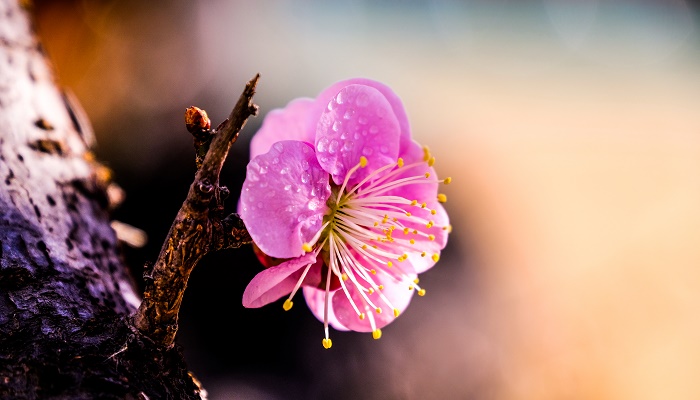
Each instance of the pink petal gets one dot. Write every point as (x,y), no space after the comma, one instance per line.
(395,290)
(422,192)
(329,93)
(284,198)
(275,282)
(359,121)
(316,300)
(289,123)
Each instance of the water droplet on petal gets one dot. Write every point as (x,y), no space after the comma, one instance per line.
(373,129)
(285,170)
(263,184)
(340,98)
(322,145)
(301,218)
(304,165)
(313,204)
(287,187)
(275,160)
(362,120)
(357,135)
(344,135)
(333,147)
(278,146)
(336,126)
(305,177)
(367,151)
(348,114)
(263,169)
(347,146)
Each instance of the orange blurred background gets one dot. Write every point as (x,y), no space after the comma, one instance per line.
(570,128)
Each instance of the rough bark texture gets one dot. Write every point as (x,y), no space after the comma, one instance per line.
(66,298)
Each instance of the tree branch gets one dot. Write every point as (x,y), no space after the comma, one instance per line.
(199,226)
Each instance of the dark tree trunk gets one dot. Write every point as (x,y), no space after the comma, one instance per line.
(65,293)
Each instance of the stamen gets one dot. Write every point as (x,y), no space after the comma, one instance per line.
(426,153)
(442,198)
(327,343)
(287,305)
(431,161)
(396,312)
(421,292)
(436,257)
(306,247)
(377,333)
(447,180)
(400,162)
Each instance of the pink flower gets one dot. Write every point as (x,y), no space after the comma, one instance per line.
(337,184)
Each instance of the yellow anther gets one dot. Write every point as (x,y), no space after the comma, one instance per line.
(362,316)
(429,224)
(377,333)
(408,214)
(414,202)
(431,161)
(327,343)
(405,256)
(374,246)
(363,161)
(426,153)
(447,180)
(449,228)
(399,162)
(395,220)
(344,276)
(433,212)
(391,228)
(287,305)
(442,198)
(412,241)
(373,271)
(415,231)
(389,264)
(416,281)
(376,223)
(436,257)
(405,231)
(410,287)
(427,174)
(364,247)
(380,287)
(396,312)
(422,254)
(306,247)
(378,310)
(386,218)
(421,292)
(422,205)
(431,237)
(370,291)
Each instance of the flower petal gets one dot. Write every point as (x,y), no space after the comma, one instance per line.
(359,121)
(396,290)
(423,244)
(289,123)
(329,93)
(316,300)
(275,282)
(284,198)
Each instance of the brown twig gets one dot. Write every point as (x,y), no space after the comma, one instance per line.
(199,226)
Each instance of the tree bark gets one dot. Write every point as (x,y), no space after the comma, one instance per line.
(66,298)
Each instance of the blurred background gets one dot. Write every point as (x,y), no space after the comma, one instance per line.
(571,130)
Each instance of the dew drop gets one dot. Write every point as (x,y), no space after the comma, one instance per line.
(304,165)
(301,218)
(287,187)
(348,114)
(313,204)
(284,170)
(333,147)
(344,135)
(331,105)
(367,151)
(336,126)
(263,169)
(275,160)
(305,177)
(347,146)
(263,184)
(340,98)
(356,135)
(362,120)
(322,145)
(373,129)
(278,146)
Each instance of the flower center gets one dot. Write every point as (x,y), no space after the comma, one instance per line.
(369,232)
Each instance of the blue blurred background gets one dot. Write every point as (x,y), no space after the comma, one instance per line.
(571,130)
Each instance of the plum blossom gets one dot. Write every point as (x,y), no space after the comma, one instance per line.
(341,203)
